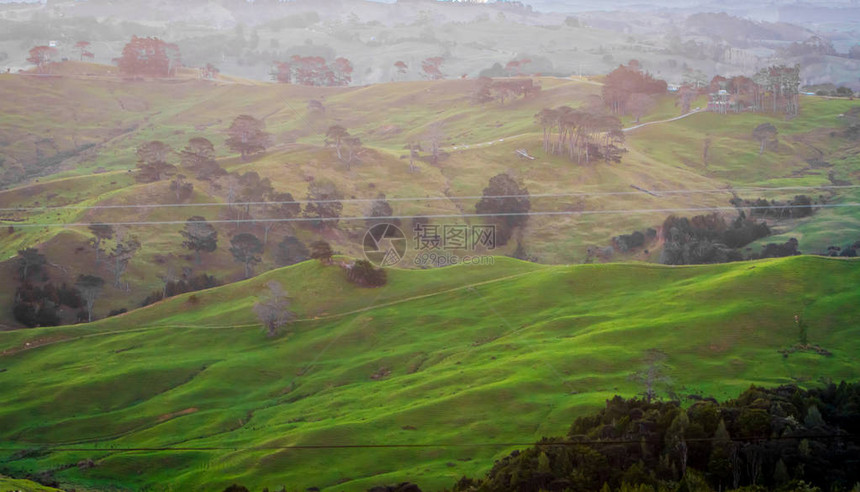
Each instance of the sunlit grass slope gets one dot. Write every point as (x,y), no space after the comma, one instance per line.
(7,483)
(467,360)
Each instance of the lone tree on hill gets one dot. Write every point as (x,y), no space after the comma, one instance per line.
(199,236)
(273,309)
(247,136)
(41,56)
(507,205)
(149,57)
(90,287)
(101,232)
(246,249)
(766,134)
(321,251)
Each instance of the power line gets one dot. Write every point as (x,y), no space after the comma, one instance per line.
(427,199)
(434,216)
(583,442)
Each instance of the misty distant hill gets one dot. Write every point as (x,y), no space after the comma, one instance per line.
(676,40)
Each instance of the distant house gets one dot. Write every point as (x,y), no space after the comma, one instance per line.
(724,102)
(718,102)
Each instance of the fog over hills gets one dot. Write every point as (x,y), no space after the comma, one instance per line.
(675,40)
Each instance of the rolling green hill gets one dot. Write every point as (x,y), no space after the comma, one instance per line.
(23,485)
(73,146)
(466,361)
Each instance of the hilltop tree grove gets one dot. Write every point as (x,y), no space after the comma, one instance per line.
(622,83)
(313,70)
(581,135)
(150,57)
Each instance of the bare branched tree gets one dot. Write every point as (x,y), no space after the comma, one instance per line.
(120,256)
(273,310)
(652,376)
(90,287)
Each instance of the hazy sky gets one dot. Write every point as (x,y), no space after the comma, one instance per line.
(609,5)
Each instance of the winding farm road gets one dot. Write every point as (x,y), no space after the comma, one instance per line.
(628,129)
(661,121)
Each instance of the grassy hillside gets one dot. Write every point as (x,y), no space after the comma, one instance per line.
(811,152)
(465,361)
(7,483)
(109,118)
